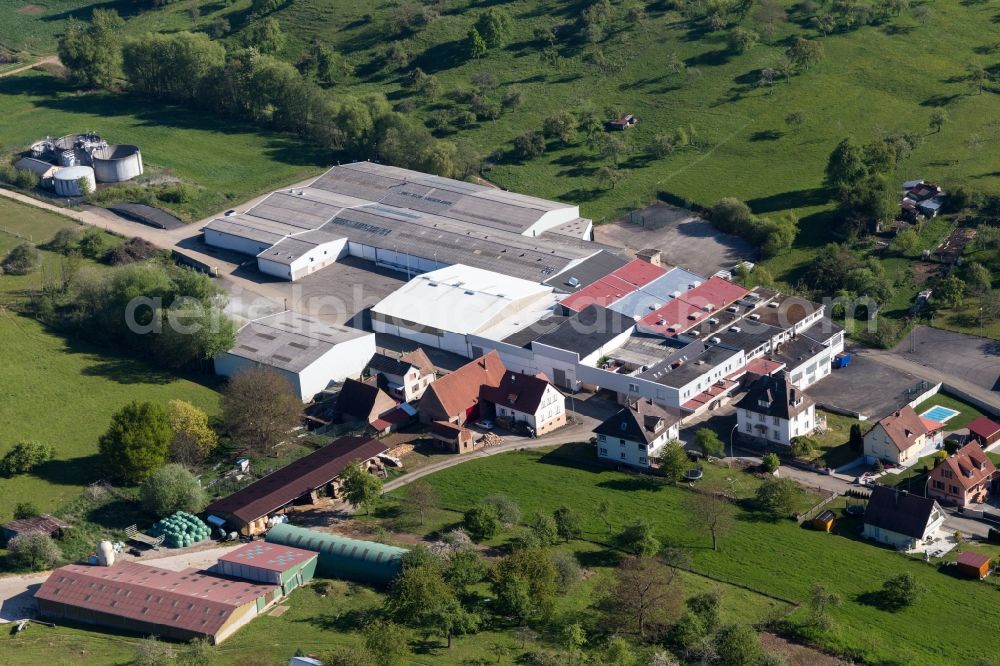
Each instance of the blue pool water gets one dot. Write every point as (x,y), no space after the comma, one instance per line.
(939,413)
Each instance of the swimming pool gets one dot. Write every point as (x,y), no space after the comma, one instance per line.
(940,413)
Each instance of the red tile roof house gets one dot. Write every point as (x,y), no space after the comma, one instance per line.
(151,601)
(454,398)
(899,438)
(984,431)
(528,399)
(962,478)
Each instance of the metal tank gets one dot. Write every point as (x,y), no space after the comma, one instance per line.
(67,183)
(116,163)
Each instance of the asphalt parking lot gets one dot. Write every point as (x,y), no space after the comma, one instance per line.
(683,238)
(974,359)
(867,387)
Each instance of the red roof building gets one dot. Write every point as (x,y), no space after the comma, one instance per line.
(984,431)
(693,307)
(973,565)
(454,398)
(152,601)
(962,478)
(614,286)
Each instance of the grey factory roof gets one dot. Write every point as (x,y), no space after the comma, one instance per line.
(687,364)
(435,218)
(289,340)
(752,334)
(784,311)
(645,349)
(532,332)
(822,330)
(797,350)
(657,292)
(587,330)
(586,272)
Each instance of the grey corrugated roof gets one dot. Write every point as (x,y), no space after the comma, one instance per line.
(587,272)
(289,340)
(587,330)
(656,293)
(695,360)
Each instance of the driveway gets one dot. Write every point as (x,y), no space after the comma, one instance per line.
(969,358)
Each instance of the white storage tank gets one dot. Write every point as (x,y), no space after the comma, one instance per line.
(105,554)
(116,163)
(67,181)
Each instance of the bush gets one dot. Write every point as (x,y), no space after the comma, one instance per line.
(65,240)
(34,550)
(24,457)
(176,193)
(802,446)
(508,511)
(770,462)
(777,496)
(22,260)
(901,590)
(482,522)
(26,180)
(171,489)
(529,145)
(133,250)
(93,244)
(26,510)
(568,570)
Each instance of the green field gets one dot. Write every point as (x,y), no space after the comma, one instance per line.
(228,161)
(61,391)
(779,557)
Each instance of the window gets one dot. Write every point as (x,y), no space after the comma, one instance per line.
(776,434)
(954,490)
(633,388)
(602,438)
(749,427)
(641,447)
(642,460)
(760,417)
(939,485)
(946,473)
(775,420)
(604,451)
(622,455)
(624,426)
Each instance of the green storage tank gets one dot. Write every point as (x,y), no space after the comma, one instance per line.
(341,557)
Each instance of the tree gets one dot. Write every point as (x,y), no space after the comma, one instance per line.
(777,496)
(360,487)
(978,75)
(673,461)
(978,279)
(737,645)
(544,528)
(645,594)
(796,118)
(33,550)
(637,538)
(820,601)
(901,590)
(939,118)
(198,652)
(568,571)
(568,523)
(709,511)
(265,35)
(170,489)
(707,607)
(604,513)
(481,522)
(856,441)
(742,40)
(420,498)
(508,512)
(259,409)
(950,290)
(193,438)
(802,446)
(906,241)
(574,638)
(151,652)
(529,145)
(845,168)
(136,442)
(22,260)
(387,642)
(465,567)
(524,584)
(610,176)
(804,53)
(560,126)
(24,457)
(731,215)
(770,462)
(709,442)
(93,53)
(494,25)
(420,598)
(26,510)
(475,44)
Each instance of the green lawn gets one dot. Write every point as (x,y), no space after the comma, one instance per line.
(832,448)
(229,162)
(967,413)
(62,391)
(780,557)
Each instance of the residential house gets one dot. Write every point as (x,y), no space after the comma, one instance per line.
(899,438)
(984,431)
(962,478)
(528,399)
(404,378)
(363,401)
(637,433)
(900,519)
(774,411)
(454,398)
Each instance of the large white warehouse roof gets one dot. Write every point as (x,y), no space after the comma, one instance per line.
(460,299)
(289,340)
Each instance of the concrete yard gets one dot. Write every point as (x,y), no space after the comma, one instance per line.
(683,239)
(974,359)
(867,387)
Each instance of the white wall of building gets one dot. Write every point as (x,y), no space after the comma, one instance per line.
(552,219)
(774,429)
(631,452)
(902,541)
(227,365)
(235,243)
(550,413)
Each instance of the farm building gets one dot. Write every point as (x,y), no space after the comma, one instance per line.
(301,481)
(342,557)
(899,519)
(984,431)
(973,565)
(455,397)
(363,401)
(406,221)
(269,563)
(44,523)
(150,601)
(405,378)
(526,399)
(307,352)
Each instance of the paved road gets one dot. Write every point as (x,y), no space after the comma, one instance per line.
(17,592)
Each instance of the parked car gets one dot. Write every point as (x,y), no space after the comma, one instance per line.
(524,430)
(485,424)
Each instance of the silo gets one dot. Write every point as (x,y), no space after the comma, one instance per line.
(67,181)
(117,163)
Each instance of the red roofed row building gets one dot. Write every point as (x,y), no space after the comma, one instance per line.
(614,286)
(692,307)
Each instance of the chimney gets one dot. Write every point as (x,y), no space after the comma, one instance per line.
(650,256)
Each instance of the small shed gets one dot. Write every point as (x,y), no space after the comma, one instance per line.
(823,521)
(44,523)
(342,557)
(985,431)
(271,563)
(973,565)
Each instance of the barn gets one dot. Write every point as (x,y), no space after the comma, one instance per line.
(343,557)
(269,563)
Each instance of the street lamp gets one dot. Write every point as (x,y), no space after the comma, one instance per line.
(732,433)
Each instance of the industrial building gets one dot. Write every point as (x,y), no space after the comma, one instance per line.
(150,601)
(307,352)
(88,155)
(249,510)
(269,563)
(407,221)
(342,557)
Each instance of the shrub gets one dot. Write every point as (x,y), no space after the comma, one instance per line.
(25,510)
(568,571)
(34,550)
(22,260)
(802,446)
(482,522)
(93,244)
(529,145)
(176,193)
(24,457)
(770,462)
(508,511)
(171,489)
(133,250)
(777,496)
(65,240)
(901,590)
